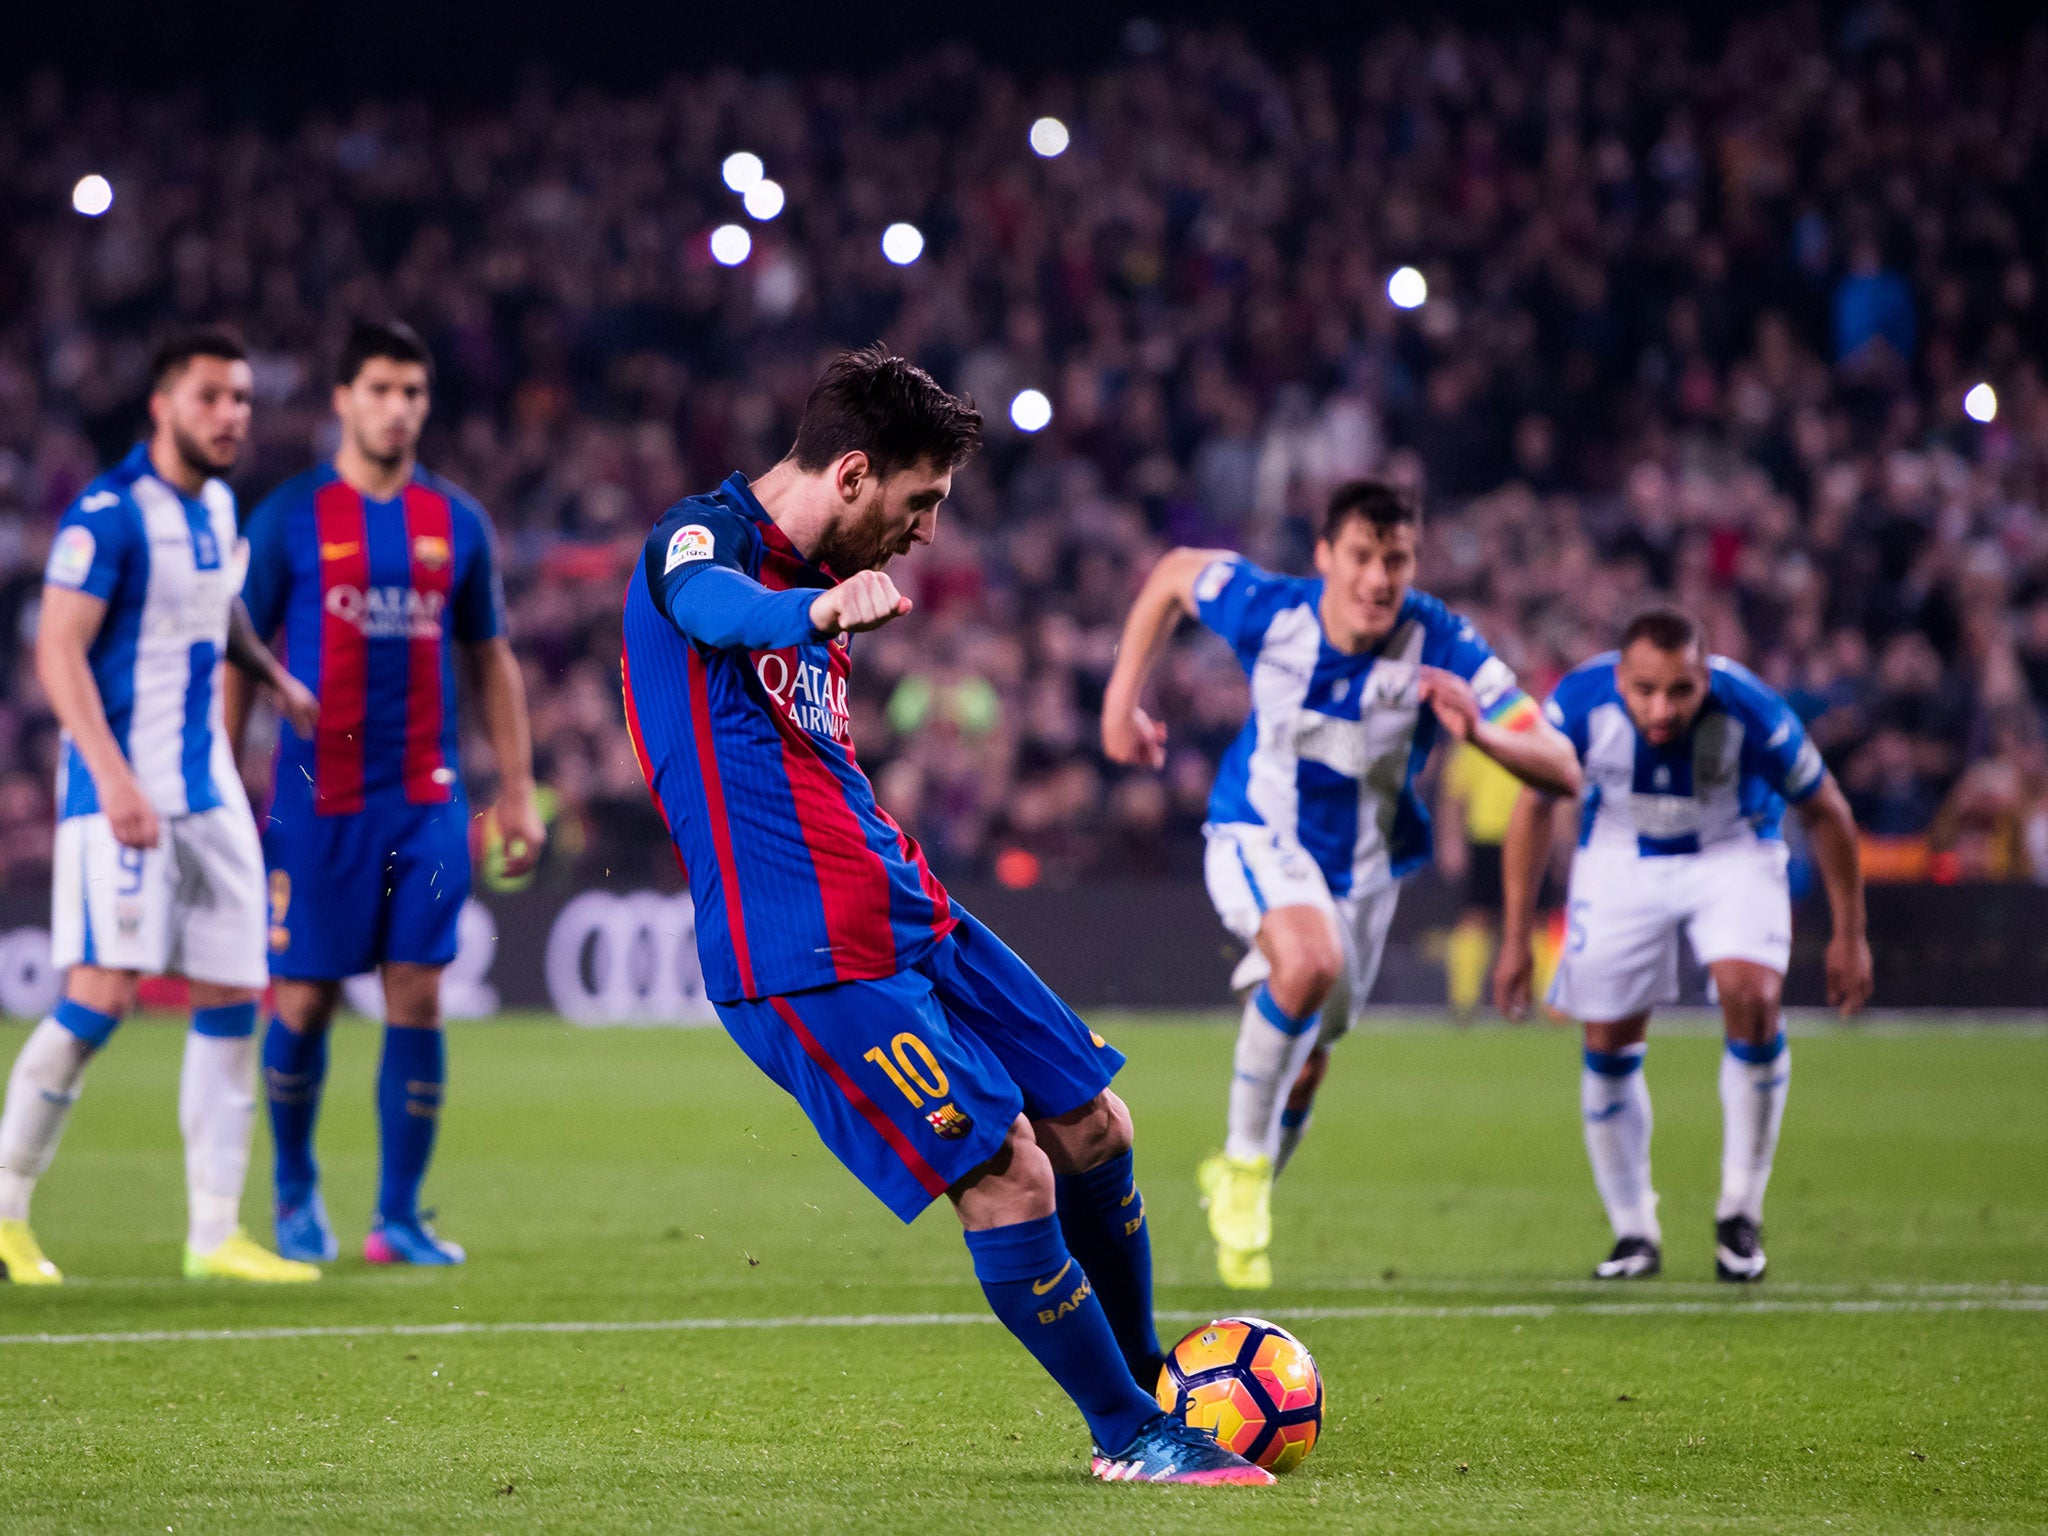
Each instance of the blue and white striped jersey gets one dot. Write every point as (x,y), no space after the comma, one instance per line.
(1726,779)
(1334,741)
(168,567)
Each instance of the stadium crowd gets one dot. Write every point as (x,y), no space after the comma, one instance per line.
(1700,320)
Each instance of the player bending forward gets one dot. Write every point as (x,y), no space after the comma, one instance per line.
(929,1057)
(1690,762)
(378,573)
(157,864)
(1314,817)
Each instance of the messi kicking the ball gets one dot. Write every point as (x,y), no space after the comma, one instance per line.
(930,1058)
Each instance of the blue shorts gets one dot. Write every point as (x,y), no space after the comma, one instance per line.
(913,1080)
(348,893)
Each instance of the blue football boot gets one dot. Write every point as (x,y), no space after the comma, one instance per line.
(1168,1450)
(304,1232)
(409,1242)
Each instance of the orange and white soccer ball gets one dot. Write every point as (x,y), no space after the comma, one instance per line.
(1253,1383)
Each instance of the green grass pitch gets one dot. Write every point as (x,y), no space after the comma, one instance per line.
(1891,1374)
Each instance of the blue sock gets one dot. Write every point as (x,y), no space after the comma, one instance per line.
(408,1109)
(1042,1296)
(294,1072)
(1102,1217)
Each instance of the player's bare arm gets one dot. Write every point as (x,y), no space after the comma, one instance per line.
(70,621)
(1831,828)
(1129,735)
(1523,853)
(1537,753)
(501,693)
(253,660)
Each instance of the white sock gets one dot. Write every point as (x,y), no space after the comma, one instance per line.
(40,1092)
(216,1107)
(1270,1050)
(1753,1088)
(1616,1104)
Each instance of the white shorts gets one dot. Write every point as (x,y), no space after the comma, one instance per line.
(1252,869)
(192,906)
(1625,911)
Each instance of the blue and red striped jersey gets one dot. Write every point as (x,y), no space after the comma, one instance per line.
(369,595)
(800,879)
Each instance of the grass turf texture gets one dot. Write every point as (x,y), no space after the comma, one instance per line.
(654,1176)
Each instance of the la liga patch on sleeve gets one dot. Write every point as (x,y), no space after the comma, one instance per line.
(71,557)
(690,542)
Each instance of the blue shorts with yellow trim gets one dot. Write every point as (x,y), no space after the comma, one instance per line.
(913,1080)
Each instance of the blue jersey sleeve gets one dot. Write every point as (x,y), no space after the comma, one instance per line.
(1577,694)
(98,537)
(268,585)
(696,562)
(479,596)
(1775,746)
(1453,644)
(1238,600)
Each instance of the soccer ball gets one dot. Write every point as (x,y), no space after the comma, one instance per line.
(1253,1383)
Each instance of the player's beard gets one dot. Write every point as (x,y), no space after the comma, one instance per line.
(198,458)
(861,543)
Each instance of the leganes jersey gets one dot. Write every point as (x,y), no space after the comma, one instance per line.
(1728,778)
(1334,742)
(168,567)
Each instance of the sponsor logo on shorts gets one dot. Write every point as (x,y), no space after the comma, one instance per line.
(949,1122)
(128,918)
(280,904)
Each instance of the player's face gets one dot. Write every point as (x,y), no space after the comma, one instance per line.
(886,516)
(384,409)
(205,408)
(1662,689)
(1366,571)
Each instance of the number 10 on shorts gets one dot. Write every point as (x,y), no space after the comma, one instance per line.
(914,1065)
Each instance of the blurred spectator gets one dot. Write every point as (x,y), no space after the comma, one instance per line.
(1702,312)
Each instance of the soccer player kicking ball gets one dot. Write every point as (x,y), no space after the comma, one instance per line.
(378,573)
(1690,763)
(1314,818)
(157,864)
(930,1058)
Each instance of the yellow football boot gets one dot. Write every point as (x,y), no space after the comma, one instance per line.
(242,1258)
(1239,1196)
(21,1257)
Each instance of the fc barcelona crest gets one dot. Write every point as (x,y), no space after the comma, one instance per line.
(431,551)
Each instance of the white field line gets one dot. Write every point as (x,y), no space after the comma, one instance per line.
(1537,1311)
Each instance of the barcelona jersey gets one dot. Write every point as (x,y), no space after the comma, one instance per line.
(800,879)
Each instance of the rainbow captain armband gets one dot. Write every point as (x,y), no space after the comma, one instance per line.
(1514,711)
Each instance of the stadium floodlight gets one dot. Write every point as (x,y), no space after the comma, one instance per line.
(1981,403)
(742,171)
(1049,137)
(1031,411)
(731,245)
(764,199)
(902,243)
(1407,288)
(93,196)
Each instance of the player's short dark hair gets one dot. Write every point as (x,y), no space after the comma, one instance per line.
(178,349)
(1374,501)
(381,338)
(887,408)
(1668,629)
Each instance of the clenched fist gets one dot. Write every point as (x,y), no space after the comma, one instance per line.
(864,601)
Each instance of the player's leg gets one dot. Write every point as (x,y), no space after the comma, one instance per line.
(428,880)
(1364,922)
(47,1078)
(326,890)
(1620,961)
(1468,950)
(1742,932)
(218,921)
(109,923)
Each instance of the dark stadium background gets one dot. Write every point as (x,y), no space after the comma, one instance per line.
(1925,660)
